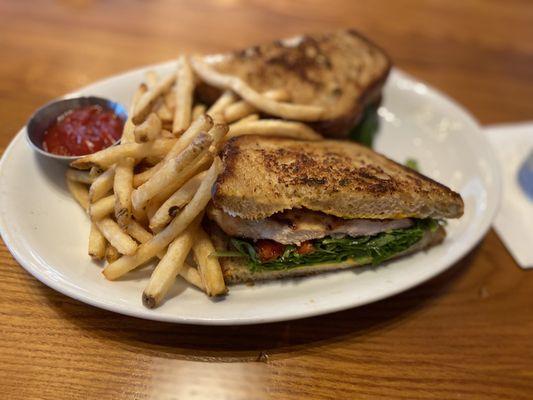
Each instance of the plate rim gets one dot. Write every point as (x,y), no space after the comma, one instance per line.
(69,291)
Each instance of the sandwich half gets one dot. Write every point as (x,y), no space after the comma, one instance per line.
(342,71)
(284,208)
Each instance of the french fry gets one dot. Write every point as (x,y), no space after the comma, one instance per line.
(171,171)
(249,118)
(147,100)
(169,267)
(80,176)
(178,200)
(129,127)
(298,112)
(153,160)
(140,216)
(201,164)
(102,185)
(208,267)
(136,231)
(160,107)
(155,203)
(152,78)
(184,97)
(107,157)
(166,134)
(216,111)
(217,132)
(191,275)
(123,177)
(79,192)
(114,235)
(202,123)
(242,109)
(122,181)
(198,110)
(237,111)
(164,113)
(95,172)
(123,187)
(97,243)
(170,101)
(149,129)
(151,208)
(149,249)
(111,254)
(102,208)
(276,127)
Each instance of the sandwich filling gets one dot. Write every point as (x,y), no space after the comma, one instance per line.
(302,237)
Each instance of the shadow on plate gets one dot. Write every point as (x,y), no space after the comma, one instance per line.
(253,342)
(52,171)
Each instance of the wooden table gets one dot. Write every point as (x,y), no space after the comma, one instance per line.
(466,334)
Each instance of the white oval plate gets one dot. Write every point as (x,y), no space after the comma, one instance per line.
(47,231)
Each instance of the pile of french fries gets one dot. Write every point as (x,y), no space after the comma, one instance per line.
(146,196)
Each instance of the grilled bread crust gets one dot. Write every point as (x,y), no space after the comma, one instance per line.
(265,175)
(341,71)
(236,270)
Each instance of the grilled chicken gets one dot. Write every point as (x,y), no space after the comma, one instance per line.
(297,226)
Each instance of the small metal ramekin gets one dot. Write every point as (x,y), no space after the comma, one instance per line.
(45,116)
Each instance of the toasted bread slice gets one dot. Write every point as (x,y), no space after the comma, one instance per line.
(343,72)
(265,175)
(236,270)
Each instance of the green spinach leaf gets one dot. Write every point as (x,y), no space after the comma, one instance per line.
(365,249)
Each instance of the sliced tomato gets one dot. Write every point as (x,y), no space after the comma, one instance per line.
(269,250)
(306,248)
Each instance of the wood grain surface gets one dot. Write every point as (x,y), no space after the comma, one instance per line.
(466,334)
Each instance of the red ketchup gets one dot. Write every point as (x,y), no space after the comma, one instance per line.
(81,131)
